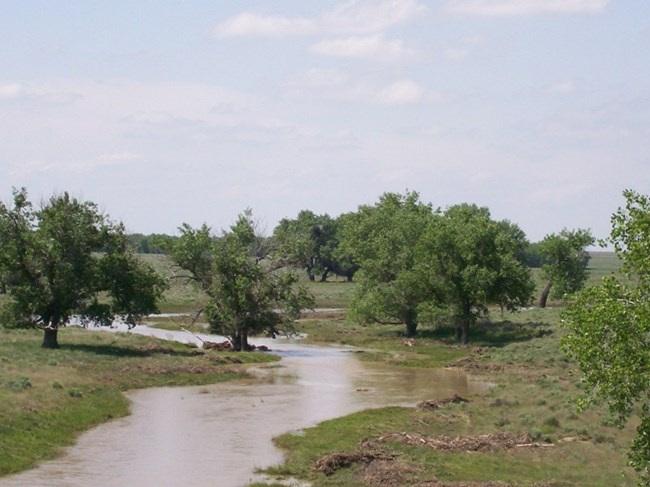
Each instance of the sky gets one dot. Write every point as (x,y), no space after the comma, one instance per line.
(167,112)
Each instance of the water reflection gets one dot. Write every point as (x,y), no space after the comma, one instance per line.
(218,434)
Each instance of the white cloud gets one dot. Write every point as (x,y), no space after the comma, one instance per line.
(563,88)
(117,157)
(524,7)
(369,16)
(257,25)
(319,78)
(375,47)
(10,90)
(401,92)
(351,17)
(464,48)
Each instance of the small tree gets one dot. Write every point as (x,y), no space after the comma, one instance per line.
(566,268)
(67,259)
(609,329)
(245,296)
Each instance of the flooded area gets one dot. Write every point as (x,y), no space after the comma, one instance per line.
(219,434)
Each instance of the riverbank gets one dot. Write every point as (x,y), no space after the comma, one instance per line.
(48,397)
(524,431)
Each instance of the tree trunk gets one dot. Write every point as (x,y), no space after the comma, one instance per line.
(544,297)
(411,328)
(244,341)
(236,342)
(50,338)
(464,335)
(323,277)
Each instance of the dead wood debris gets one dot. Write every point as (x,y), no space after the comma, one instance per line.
(480,443)
(435,404)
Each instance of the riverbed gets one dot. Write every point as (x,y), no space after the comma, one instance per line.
(218,435)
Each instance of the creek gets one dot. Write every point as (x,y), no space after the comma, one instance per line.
(217,435)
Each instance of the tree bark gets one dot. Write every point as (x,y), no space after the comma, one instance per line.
(411,328)
(544,297)
(464,335)
(236,342)
(323,277)
(50,338)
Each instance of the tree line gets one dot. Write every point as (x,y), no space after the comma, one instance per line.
(414,264)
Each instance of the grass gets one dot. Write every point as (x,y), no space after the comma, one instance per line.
(534,393)
(48,397)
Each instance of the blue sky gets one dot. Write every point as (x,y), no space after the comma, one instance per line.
(165,112)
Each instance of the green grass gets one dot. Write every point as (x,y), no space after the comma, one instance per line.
(48,397)
(535,391)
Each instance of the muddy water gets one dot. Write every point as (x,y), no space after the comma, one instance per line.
(218,435)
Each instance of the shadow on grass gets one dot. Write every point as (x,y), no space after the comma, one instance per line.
(120,351)
(483,333)
(493,334)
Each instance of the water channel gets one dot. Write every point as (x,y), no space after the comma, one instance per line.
(217,435)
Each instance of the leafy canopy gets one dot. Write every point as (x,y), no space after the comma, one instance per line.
(420,265)
(472,262)
(566,262)
(67,259)
(609,329)
(244,295)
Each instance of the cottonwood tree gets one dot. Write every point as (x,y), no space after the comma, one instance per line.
(418,265)
(609,329)
(245,296)
(472,262)
(565,270)
(382,240)
(66,259)
(310,242)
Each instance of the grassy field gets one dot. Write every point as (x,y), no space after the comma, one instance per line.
(533,399)
(47,397)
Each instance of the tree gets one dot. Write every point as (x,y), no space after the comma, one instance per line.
(473,261)
(566,268)
(381,239)
(423,266)
(609,329)
(67,259)
(310,242)
(244,296)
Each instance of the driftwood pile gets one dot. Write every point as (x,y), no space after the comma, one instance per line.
(480,443)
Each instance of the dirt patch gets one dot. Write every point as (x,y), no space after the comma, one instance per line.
(433,404)
(480,443)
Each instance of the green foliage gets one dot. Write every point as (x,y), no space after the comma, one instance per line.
(417,265)
(566,268)
(473,262)
(610,328)
(55,270)
(310,242)
(382,240)
(245,296)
